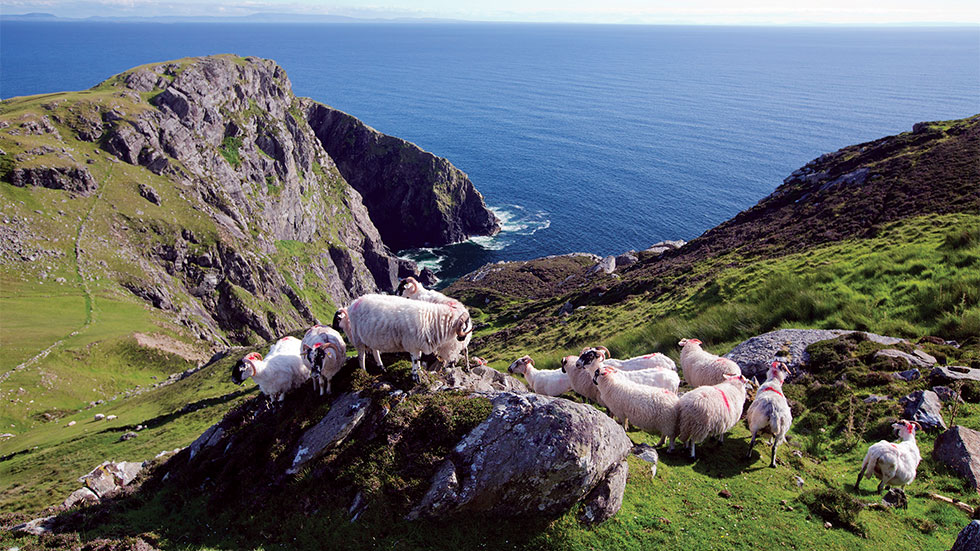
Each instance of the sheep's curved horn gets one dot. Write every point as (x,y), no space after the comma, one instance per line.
(464,326)
(605,352)
(917,425)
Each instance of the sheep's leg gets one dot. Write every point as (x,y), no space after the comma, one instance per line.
(692,449)
(664,439)
(775,444)
(721,438)
(881,485)
(857,485)
(466,355)
(362,358)
(321,387)
(377,360)
(416,365)
(671,448)
(748,454)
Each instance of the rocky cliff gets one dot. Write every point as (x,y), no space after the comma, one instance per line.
(415,198)
(215,200)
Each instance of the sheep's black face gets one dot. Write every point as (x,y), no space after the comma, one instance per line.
(401,287)
(316,362)
(240,372)
(587,358)
(595,377)
(336,321)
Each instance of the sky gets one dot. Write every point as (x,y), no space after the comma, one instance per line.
(698,12)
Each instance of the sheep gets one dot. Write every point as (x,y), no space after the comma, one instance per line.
(651,409)
(770,411)
(385,323)
(894,464)
(550,382)
(655,360)
(324,353)
(412,289)
(281,371)
(580,379)
(703,368)
(710,411)
(593,359)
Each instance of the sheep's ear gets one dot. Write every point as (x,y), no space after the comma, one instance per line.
(682,342)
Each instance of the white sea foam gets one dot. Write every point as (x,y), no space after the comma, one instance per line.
(425,257)
(515,220)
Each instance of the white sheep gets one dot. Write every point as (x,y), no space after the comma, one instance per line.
(550,382)
(894,464)
(411,288)
(593,359)
(386,323)
(770,410)
(651,409)
(580,378)
(710,411)
(281,371)
(703,368)
(655,360)
(324,353)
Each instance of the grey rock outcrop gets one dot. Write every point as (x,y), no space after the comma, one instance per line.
(959,449)
(789,346)
(534,455)
(968,538)
(81,495)
(479,379)
(415,198)
(76,179)
(944,374)
(924,407)
(918,359)
(346,413)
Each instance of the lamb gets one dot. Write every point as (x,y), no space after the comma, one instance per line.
(593,359)
(894,464)
(651,409)
(324,353)
(385,323)
(412,289)
(710,411)
(656,360)
(703,368)
(581,379)
(770,411)
(281,371)
(550,382)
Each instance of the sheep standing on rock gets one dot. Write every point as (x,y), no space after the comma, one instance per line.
(649,408)
(549,382)
(655,360)
(410,288)
(324,353)
(710,411)
(281,371)
(593,359)
(703,368)
(385,323)
(770,410)
(894,464)
(580,378)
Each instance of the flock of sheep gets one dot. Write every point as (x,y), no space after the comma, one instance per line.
(642,391)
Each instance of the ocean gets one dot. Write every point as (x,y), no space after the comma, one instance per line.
(594,138)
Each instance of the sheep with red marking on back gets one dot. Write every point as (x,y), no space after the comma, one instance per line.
(411,288)
(549,382)
(770,411)
(894,463)
(701,367)
(594,358)
(710,411)
(651,409)
(281,371)
(654,360)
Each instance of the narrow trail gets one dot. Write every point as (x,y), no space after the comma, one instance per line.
(80,277)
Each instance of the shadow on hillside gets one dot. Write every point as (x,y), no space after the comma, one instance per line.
(189,408)
(713,459)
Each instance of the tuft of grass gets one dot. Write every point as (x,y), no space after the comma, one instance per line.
(836,507)
(229,150)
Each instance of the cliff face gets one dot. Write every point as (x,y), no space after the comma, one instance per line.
(415,198)
(214,200)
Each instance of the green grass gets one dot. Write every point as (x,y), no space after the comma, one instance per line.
(229,150)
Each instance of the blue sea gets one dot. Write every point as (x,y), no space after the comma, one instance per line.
(581,137)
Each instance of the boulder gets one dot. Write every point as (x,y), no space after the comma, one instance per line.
(959,449)
(875,398)
(100,481)
(75,179)
(969,538)
(909,375)
(566,309)
(626,259)
(533,456)
(479,379)
(36,527)
(81,495)
(918,359)
(946,394)
(606,266)
(945,374)
(128,436)
(789,345)
(346,413)
(924,407)
(207,439)
(124,471)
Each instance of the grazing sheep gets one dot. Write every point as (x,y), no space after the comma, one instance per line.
(281,371)
(385,323)
(550,382)
(656,360)
(894,464)
(410,288)
(592,359)
(710,411)
(651,409)
(770,410)
(324,362)
(581,379)
(703,368)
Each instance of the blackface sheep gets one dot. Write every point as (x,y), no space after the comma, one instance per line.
(895,464)
(770,411)
(710,411)
(281,371)
(655,360)
(410,288)
(385,323)
(651,409)
(660,377)
(580,378)
(550,382)
(704,368)
(326,360)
